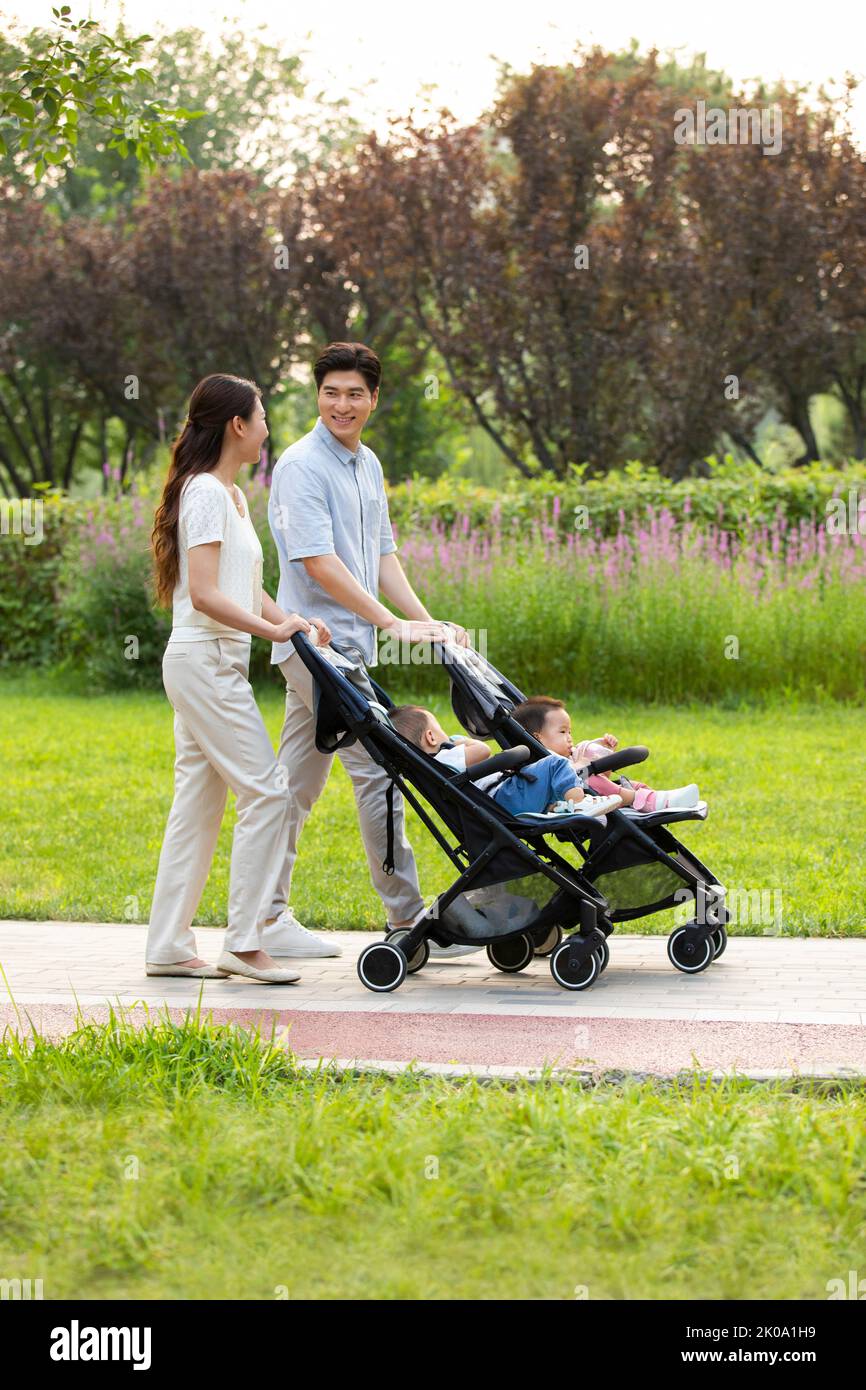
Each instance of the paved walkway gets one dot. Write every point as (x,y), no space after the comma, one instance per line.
(771,1005)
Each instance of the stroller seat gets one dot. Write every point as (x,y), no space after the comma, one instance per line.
(528,823)
(636,862)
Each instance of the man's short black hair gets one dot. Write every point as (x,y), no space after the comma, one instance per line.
(348,357)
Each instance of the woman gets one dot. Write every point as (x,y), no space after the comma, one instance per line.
(208,564)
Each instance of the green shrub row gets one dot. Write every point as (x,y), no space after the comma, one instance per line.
(733,496)
(81,599)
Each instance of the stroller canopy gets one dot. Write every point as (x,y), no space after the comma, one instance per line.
(480,694)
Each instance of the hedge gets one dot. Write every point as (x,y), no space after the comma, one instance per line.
(81,599)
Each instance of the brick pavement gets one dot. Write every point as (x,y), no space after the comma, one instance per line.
(770,1005)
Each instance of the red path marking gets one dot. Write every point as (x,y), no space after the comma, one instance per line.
(644,1045)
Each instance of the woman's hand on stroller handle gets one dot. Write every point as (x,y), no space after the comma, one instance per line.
(288,625)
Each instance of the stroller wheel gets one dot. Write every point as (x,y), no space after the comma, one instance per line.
(382,967)
(422,953)
(545,945)
(686,953)
(511,955)
(603,956)
(719,939)
(573,977)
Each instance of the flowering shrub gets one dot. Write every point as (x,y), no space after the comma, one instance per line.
(656,603)
(108,625)
(28,587)
(666,611)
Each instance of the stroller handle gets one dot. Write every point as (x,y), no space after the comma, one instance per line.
(612,762)
(500,762)
(300,641)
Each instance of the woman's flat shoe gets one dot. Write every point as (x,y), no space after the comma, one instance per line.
(198,972)
(229,964)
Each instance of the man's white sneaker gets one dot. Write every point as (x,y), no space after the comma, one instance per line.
(297,942)
(680,799)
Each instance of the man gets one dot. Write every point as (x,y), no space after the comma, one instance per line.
(329,517)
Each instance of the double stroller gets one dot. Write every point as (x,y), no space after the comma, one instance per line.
(526,886)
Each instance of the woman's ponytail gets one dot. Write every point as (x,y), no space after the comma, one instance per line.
(215,401)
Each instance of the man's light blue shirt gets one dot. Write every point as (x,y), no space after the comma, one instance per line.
(326,500)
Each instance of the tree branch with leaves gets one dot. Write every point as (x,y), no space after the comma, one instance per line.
(78,70)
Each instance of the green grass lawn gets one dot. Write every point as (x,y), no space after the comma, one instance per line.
(88,785)
(197,1163)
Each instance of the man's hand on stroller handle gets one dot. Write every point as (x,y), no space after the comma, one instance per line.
(427,630)
(455,633)
(415,630)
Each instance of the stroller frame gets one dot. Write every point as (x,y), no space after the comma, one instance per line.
(343,714)
(483,700)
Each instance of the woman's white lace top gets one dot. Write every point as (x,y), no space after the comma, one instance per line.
(207,513)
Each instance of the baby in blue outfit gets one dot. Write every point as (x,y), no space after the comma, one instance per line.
(554,778)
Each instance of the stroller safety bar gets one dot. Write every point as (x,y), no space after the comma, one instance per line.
(612,762)
(505,761)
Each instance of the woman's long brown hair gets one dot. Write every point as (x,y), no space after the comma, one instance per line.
(216,400)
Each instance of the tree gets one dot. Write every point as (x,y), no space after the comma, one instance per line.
(113,293)
(78,70)
(599,291)
(44,407)
(215,262)
(505,245)
(255,115)
(782,242)
(117,321)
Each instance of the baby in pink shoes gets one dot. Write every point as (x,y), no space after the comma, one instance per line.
(548,720)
